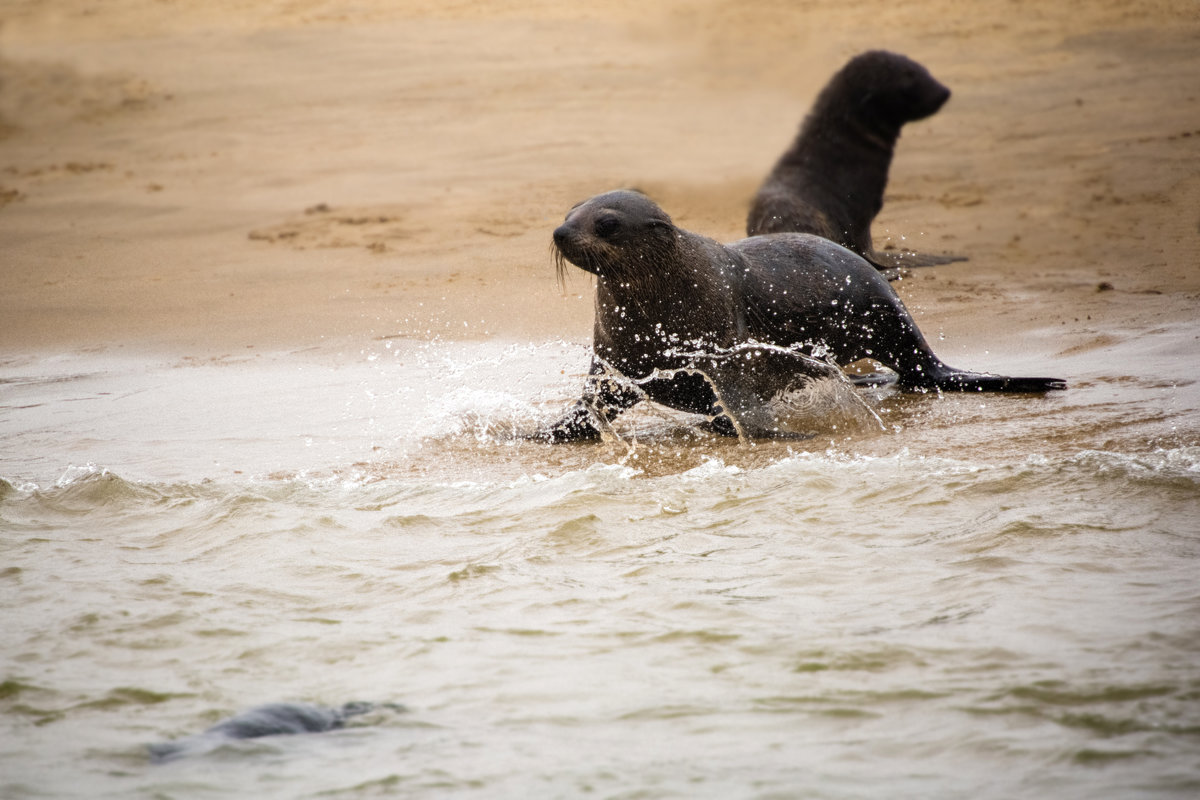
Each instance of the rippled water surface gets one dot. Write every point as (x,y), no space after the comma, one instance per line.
(990,596)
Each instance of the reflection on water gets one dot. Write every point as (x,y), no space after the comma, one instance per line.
(994,595)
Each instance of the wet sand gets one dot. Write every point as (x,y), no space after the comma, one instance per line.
(209,179)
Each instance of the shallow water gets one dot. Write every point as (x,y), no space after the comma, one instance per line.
(992,595)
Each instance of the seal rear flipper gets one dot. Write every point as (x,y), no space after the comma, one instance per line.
(901,259)
(962,381)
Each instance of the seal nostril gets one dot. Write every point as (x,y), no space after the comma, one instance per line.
(561,235)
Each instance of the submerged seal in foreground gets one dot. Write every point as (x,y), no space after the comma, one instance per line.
(717,329)
(831,180)
(272,719)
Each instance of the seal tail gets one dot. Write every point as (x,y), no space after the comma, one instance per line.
(962,381)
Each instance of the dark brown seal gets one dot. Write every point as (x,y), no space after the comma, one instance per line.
(712,329)
(830,182)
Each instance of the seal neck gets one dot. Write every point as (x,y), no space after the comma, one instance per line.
(675,299)
(849,157)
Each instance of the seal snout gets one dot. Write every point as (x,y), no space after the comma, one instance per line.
(939,94)
(570,246)
(562,236)
(566,242)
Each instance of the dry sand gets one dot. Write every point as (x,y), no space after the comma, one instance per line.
(205,178)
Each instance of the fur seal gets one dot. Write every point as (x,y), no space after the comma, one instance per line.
(272,719)
(830,182)
(671,304)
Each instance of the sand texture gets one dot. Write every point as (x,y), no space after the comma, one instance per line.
(202,178)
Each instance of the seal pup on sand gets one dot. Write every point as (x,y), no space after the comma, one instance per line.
(272,719)
(670,304)
(830,182)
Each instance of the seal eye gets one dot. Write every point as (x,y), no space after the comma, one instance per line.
(606,226)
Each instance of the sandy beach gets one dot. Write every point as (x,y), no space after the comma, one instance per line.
(207,178)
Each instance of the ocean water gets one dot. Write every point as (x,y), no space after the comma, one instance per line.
(963,595)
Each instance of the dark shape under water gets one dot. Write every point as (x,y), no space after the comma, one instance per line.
(272,719)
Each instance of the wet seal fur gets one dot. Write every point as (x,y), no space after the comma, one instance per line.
(671,304)
(272,719)
(831,181)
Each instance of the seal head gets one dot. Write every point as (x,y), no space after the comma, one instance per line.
(598,234)
(884,89)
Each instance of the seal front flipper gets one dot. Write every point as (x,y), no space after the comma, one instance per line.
(606,394)
(577,425)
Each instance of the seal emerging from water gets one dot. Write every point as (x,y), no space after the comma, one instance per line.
(272,719)
(716,329)
(831,180)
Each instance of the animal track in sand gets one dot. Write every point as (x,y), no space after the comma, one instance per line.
(36,94)
(370,227)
